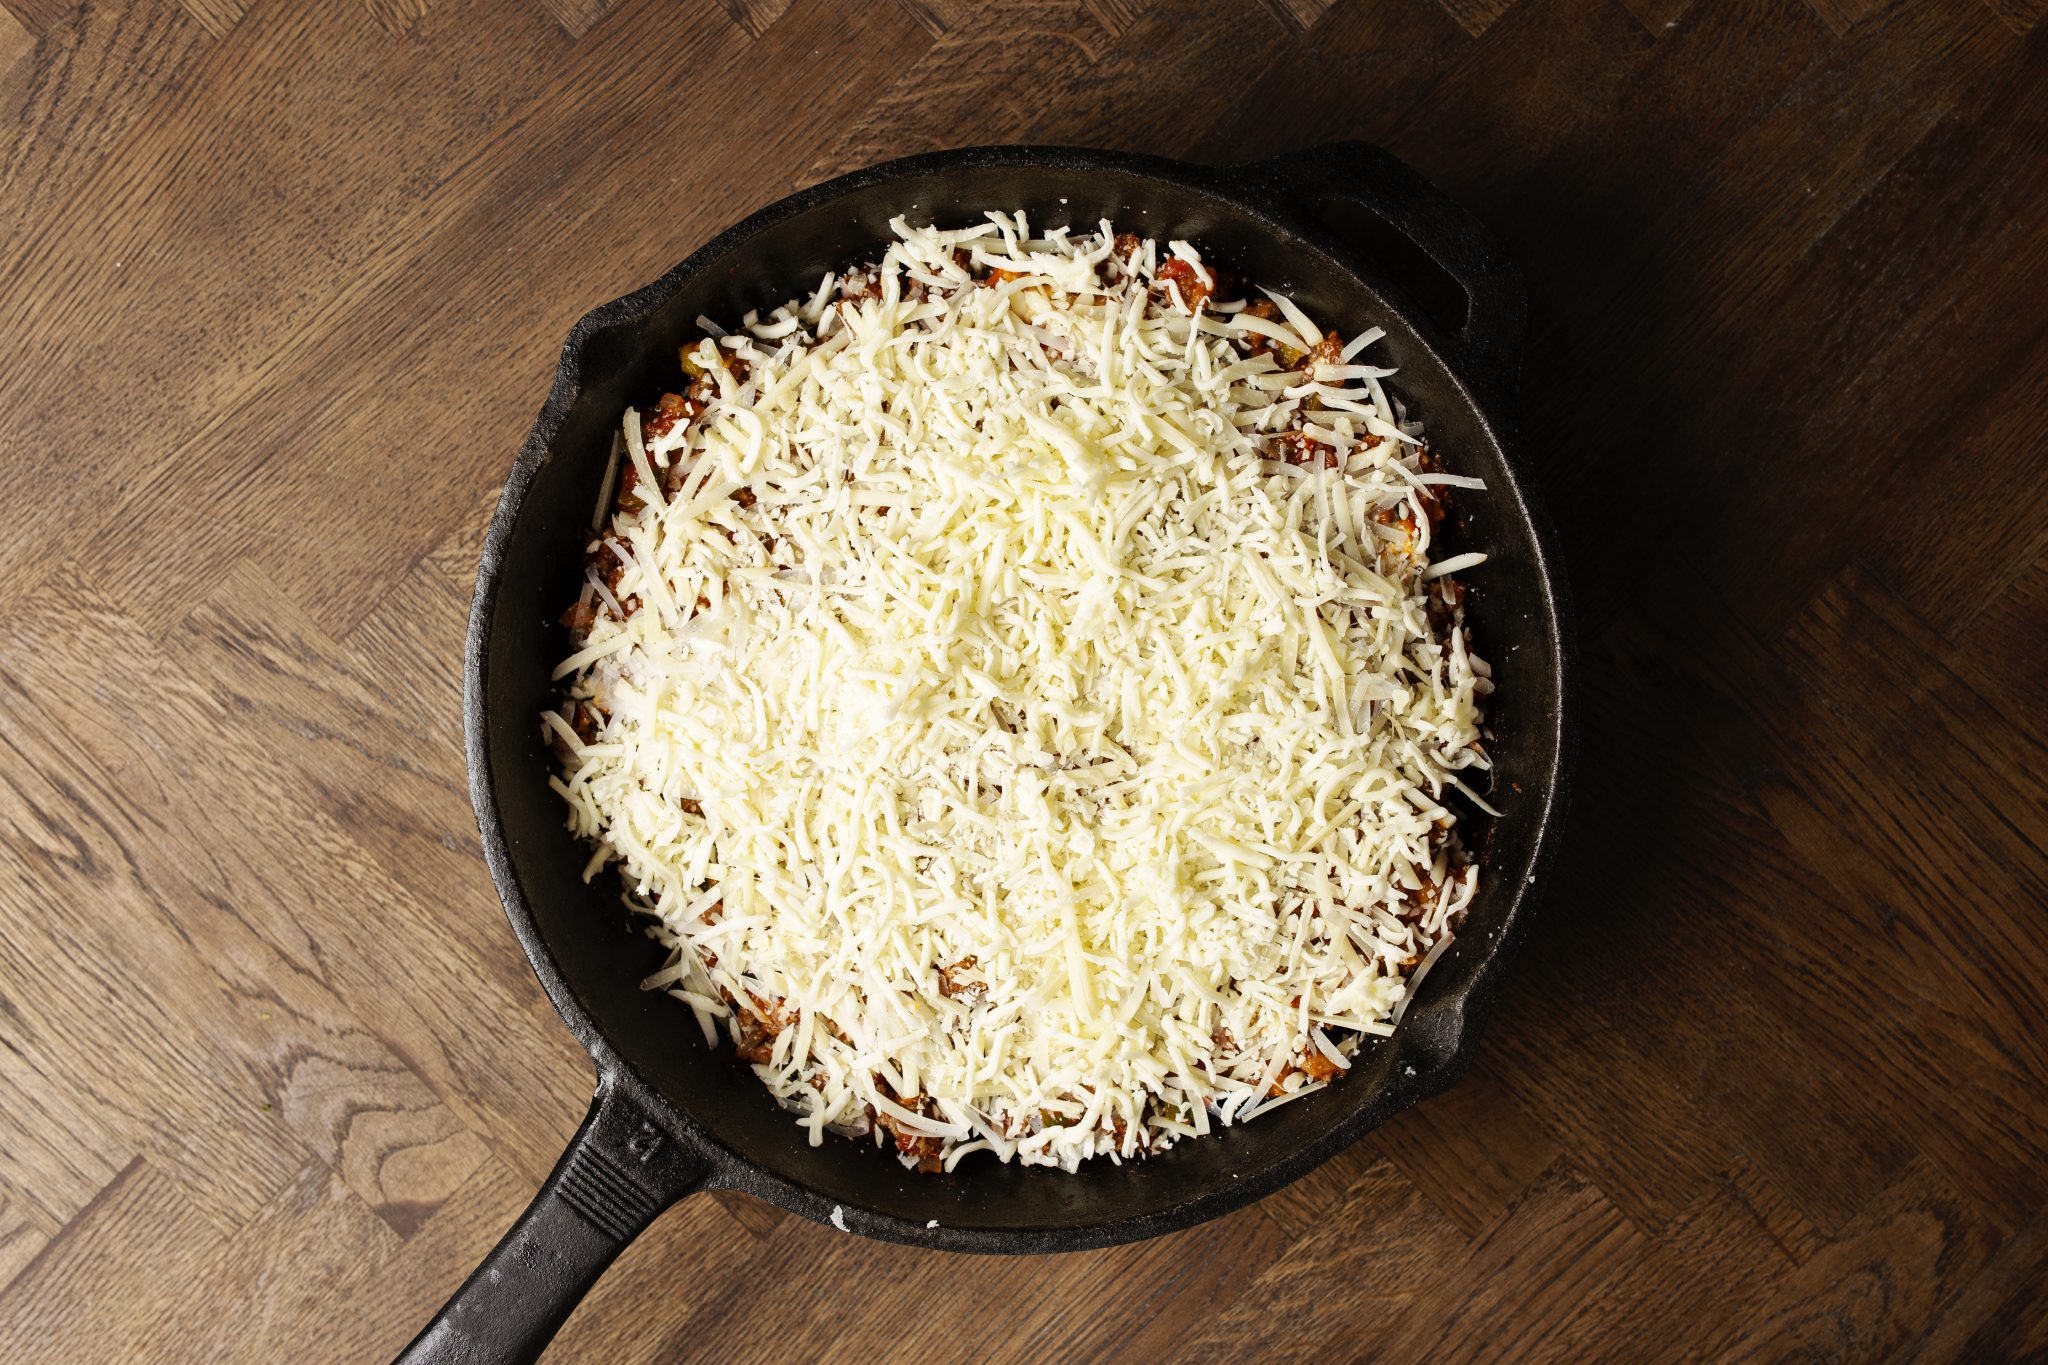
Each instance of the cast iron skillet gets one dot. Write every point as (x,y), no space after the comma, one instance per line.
(672,1116)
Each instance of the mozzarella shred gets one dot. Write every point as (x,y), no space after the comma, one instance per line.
(1015,748)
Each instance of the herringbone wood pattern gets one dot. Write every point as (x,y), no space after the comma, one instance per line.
(280,288)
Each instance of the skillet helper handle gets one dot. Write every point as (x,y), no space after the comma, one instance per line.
(620,1171)
(1486,353)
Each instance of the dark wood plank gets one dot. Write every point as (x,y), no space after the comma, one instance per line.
(588,249)
(1909,282)
(1675,276)
(1357,1260)
(37,16)
(577,17)
(1893,1266)
(16,43)
(1472,1151)
(1685,1288)
(1539,1271)
(1893,983)
(755,15)
(217,17)
(1521,94)
(1659,17)
(1300,14)
(1394,54)
(97,69)
(288,1257)
(238,1037)
(24,1231)
(1475,16)
(59,1303)
(97,996)
(236,878)
(2005,643)
(1843,15)
(336,203)
(2000,1313)
(397,16)
(2018,15)
(1072,77)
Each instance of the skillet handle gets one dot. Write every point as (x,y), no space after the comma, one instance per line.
(620,1171)
(1486,353)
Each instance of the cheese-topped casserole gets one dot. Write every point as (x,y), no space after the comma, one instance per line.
(1016,685)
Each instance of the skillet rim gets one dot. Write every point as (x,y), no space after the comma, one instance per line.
(1414,1076)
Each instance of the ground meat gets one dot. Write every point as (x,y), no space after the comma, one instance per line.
(580,617)
(610,568)
(627,500)
(606,561)
(1143,1146)
(856,289)
(952,980)
(1398,515)
(672,410)
(925,1150)
(1258,343)
(1299,448)
(1187,283)
(1255,343)
(1328,351)
(1117,265)
(1446,600)
(1394,514)
(584,721)
(703,374)
(758,1029)
(672,478)
(755,1043)
(1410,906)
(1435,505)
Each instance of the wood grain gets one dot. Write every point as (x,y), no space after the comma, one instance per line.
(282,285)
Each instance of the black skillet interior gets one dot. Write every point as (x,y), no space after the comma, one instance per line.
(1259,220)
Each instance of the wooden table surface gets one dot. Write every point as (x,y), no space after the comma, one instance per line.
(281,286)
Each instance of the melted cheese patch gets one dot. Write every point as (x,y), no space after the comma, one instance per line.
(1070,772)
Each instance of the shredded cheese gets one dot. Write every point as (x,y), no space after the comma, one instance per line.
(1012,752)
